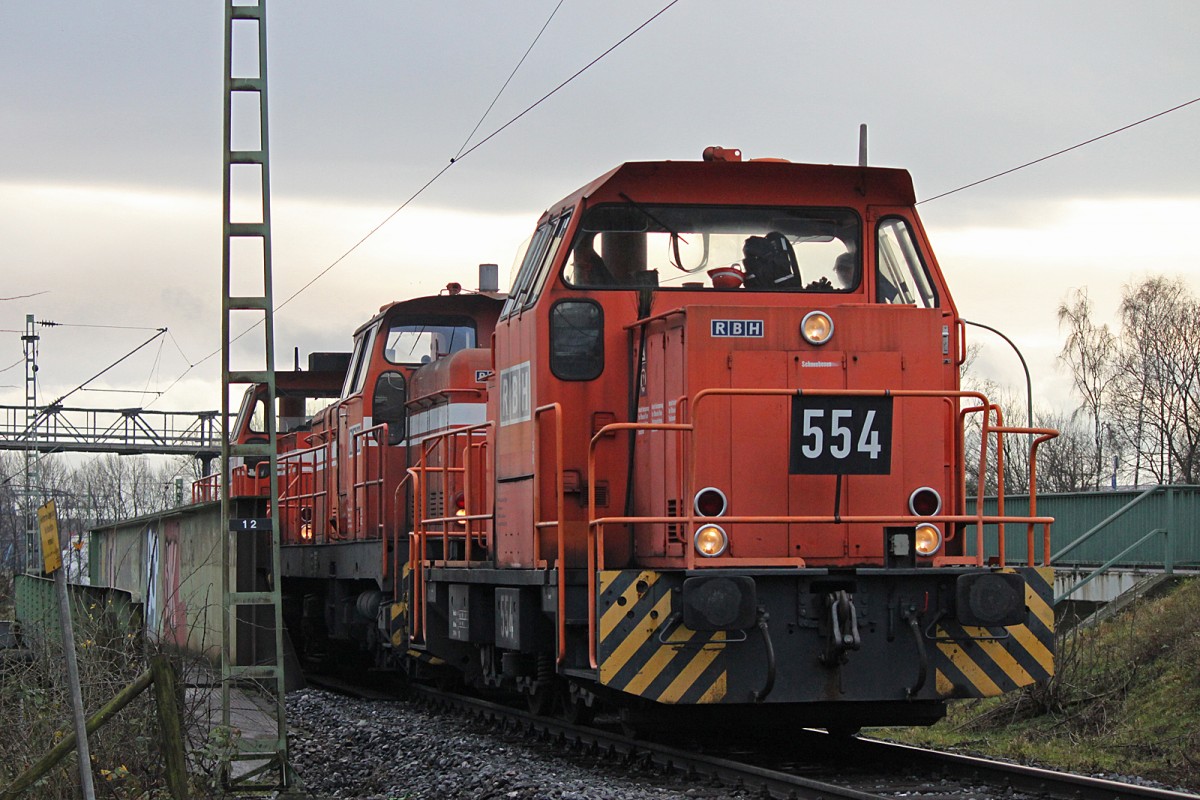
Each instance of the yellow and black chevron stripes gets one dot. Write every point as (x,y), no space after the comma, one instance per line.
(398,613)
(645,650)
(984,662)
(421,655)
(398,623)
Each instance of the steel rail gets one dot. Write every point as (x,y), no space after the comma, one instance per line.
(1018,776)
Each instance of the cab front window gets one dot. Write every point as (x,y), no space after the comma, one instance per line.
(419,341)
(721,248)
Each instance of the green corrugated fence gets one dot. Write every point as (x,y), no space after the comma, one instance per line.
(1166,517)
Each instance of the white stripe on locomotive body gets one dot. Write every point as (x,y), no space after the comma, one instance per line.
(430,422)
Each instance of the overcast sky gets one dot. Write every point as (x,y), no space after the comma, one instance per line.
(111,120)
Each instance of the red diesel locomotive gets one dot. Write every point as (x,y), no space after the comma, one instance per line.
(707,455)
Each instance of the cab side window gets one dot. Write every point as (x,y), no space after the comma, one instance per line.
(577,340)
(531,277)
(387,404)
(900,273)
(258,416)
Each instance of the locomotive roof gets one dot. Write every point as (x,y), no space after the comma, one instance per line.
(466,303)
(761,182)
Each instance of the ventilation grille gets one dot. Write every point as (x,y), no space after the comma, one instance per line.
(674,530)
(437,504)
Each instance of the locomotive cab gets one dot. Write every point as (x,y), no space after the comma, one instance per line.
(776,309)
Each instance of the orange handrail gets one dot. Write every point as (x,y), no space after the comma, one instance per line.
(595,535)
(361,444)
(559,522)
(423,524)
(298,462)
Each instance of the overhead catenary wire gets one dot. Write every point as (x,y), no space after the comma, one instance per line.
(52,324)
(508,80)
(58,402)
(123,391)
(462,154)
(555,90)
(175,342)
(1060,152)
(154,369)
(454,160)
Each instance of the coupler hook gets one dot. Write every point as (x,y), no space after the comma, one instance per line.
(844,633)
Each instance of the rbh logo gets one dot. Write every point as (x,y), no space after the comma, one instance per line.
(752,328)
(514,394)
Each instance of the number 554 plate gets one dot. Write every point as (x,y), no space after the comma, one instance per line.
(841,435)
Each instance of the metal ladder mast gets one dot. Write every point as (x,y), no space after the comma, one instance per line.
(250,590)
(32,477)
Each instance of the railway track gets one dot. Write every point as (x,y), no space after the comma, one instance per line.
(810,764)
(854,768)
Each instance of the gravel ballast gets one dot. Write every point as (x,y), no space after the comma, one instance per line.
(347,748)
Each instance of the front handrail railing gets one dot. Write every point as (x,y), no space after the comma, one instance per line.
(554,410)
(370,478)
(456,450)
(687,430)
(300,489)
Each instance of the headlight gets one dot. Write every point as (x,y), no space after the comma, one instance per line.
(928,539)
(711,541)
(925,502)
(709,502)
(816,327)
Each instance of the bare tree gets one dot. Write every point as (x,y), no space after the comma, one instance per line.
(1156,388)
(115,487)
(1067,463)
(1090,351)
(1140,389)
(12,528)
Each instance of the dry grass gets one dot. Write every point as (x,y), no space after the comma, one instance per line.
(126,755)
(1125,700)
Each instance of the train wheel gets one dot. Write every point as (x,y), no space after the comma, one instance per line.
(541,700)
(632,725)
(448,680)
(574,709)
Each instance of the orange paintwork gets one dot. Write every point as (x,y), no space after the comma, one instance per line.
(695,387)
(739,444)
(339,475)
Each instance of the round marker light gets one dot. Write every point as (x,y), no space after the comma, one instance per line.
(925,502)
(927,540)
(710,502)
(816,327)
(711,541)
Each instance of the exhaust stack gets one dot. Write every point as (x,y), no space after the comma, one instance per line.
(489,277)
